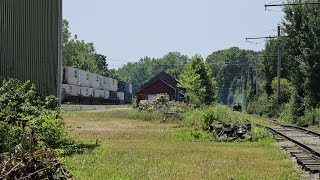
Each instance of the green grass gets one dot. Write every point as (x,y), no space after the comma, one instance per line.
(263,121)
(137,149)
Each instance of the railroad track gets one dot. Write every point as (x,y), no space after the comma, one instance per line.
(304,145)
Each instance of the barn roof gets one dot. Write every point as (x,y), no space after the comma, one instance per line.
(162,76)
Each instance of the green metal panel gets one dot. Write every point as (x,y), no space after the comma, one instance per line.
(30,42)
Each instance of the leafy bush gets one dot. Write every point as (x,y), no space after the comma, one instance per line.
(144,105)
(201,122)
(311,117)
(200,135)
(161,104)
(193,118)
(267,105)
(21,109)
(258,133)
(286,115)
(285,90)
(210,115)
(264,106)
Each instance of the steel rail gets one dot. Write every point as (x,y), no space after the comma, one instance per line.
(297,142)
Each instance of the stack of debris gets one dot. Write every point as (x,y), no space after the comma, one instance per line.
(38,165)
(231,131)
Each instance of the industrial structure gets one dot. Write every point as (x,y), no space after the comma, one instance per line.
(30,43)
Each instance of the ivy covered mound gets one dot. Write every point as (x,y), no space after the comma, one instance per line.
(30,127)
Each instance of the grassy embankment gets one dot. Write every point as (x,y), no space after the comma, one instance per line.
(137,149)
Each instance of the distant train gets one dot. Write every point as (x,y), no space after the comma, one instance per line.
(82,87)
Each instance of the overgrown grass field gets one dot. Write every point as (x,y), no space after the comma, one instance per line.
(137,149)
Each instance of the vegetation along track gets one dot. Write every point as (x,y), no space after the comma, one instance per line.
(301,143)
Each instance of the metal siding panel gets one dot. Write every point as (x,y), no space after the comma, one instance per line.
(29,42)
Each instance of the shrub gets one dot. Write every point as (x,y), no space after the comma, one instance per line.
(261,106)
(258,133)
(285,113)
(209,116)
(207,121)
(161,104)
(285,90)
(311,117)
(144,105)
(200,135)
(267,105)
(21,109)
(193,118)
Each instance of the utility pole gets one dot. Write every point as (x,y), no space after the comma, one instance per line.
(279,65)
(242,77)
(279,58)
(257,78)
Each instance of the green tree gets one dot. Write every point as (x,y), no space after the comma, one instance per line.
(227,67)
(142,71)
(197,79)
(285,91)
(113,73)
(80,54)
(301,25)
(102,64)
(269,61)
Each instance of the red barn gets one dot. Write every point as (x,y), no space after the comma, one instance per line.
(161,83)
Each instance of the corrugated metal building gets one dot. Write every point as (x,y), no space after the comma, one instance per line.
(30,42)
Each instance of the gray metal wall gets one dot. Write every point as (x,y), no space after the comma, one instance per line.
(30,42)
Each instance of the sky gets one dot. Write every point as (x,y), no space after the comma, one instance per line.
(127,30)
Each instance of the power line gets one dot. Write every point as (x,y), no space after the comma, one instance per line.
(265,37)
(256,42)
(275,2)
(264,32)
(290,4)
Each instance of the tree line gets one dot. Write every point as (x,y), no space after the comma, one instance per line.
(299,99)
(235,75)
(83,55)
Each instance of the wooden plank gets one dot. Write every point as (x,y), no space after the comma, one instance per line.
(301,155)
(295,151)
(313,168)
(310,162)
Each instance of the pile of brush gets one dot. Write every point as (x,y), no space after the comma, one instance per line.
(41,164)
(231,131)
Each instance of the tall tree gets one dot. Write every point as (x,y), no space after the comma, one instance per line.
(302,49)
(269,61)
(140,72)
(102,64)
(80,54)
(197,79)
(227,67)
